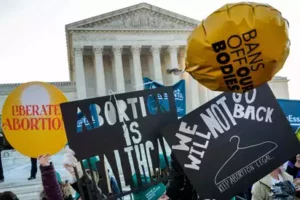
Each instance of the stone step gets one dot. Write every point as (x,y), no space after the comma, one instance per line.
(29,196)
(26,192)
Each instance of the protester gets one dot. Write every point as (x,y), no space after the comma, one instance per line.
(33,170)
(52,187)
(1,168)
(293,167)
(261,190)
(85,180)
(8,196)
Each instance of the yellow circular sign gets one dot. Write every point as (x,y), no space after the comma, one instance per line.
(238,47)
(32,120)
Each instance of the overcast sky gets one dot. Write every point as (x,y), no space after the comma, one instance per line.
(32,34)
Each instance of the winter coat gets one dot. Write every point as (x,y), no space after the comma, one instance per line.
(179,186)
(262,189)
(52,189)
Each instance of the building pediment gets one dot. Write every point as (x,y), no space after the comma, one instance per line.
(142,16)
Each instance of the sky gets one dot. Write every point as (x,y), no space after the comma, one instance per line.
(33,44)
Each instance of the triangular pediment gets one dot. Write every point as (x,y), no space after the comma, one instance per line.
(140,16)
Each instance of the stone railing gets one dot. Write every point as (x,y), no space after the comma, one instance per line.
(66,86)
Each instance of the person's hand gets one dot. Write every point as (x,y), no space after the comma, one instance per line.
(70,162)
(44,160)
(164,197)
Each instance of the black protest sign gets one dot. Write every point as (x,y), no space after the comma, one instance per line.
(125,131)
(231,142)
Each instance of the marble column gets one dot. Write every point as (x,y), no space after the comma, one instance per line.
(79,73)
(157,73)
(118,69)
(99,71)
(173,50)
(137,68)
(181,61)
(194,94)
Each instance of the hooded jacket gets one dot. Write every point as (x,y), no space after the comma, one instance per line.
(262,189)
(53,190)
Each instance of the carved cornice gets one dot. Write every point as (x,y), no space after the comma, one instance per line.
(108,35)
(136,49)
(142,18)
(137,16)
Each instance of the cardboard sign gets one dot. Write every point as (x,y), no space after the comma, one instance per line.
(128,136)
(231,142)
(32,120)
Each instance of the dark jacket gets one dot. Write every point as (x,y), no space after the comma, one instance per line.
(88,185)
(179,186)
(51,186)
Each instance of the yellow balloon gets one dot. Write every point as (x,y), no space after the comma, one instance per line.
(238,47)
(32,120)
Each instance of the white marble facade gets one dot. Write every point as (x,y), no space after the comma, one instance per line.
(113,51)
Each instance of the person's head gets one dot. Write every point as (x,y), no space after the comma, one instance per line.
(298,158)
(276,171)
(65,188)
(8,196)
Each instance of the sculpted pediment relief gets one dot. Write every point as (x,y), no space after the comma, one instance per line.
(141,19)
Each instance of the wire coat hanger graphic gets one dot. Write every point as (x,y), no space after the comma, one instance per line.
(242,148)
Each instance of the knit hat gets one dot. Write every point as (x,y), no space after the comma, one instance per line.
(93,161)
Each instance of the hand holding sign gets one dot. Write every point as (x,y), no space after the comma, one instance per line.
(32,121)
(235,48)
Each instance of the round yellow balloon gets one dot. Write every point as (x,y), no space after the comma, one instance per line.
(32,120)
(238,47)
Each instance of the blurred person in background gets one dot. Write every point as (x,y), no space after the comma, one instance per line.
(293,167)
(33,170)
(53,187)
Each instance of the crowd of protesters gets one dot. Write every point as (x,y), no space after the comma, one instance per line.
(178,185)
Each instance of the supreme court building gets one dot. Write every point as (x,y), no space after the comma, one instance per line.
(115,50)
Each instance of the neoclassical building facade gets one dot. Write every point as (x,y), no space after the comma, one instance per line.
(114,51)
